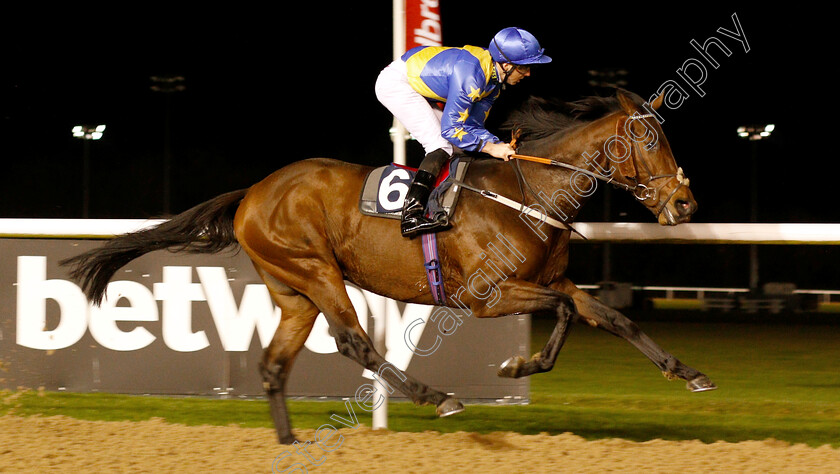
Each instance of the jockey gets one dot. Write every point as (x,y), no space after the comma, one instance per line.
(467,80)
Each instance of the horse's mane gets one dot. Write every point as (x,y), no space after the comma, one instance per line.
(538,117)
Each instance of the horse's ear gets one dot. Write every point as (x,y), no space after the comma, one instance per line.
(658,101)
(626,102)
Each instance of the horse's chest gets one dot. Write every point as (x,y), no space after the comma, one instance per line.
(551,264)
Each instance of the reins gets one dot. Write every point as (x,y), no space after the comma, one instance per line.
(641,191)
(548,161)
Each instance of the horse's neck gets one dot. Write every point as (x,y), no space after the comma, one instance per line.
(581,148)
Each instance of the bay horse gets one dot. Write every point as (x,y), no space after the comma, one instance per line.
(302,229)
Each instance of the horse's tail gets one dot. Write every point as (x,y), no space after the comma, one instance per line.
(206,228)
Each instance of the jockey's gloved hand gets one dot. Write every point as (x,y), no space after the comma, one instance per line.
(502,151)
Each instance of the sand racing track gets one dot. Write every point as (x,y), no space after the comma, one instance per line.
(47,444)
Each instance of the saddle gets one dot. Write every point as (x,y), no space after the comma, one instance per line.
(385,188)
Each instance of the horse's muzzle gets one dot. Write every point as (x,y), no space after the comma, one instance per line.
(678,210)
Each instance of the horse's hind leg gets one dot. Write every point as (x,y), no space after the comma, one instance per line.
(355,344)
(600,315)
(296,320)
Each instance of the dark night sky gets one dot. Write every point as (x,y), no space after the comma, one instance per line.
(265,89)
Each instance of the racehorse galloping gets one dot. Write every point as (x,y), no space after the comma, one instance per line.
(303,231)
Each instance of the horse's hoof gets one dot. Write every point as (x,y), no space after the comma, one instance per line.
(450,406)
(510,367)
(288,439)
(700,383)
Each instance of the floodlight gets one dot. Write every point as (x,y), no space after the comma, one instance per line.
(88,132)
(755,132)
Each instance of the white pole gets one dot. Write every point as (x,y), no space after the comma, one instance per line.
(398,130)
(380,413)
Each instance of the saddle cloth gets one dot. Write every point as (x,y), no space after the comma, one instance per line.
(385,188)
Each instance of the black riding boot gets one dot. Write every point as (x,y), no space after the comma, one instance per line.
(414,220)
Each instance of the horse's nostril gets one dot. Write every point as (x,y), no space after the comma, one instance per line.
(684,208)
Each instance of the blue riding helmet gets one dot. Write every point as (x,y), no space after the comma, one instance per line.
(517,46)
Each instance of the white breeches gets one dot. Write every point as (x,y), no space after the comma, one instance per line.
(409,107)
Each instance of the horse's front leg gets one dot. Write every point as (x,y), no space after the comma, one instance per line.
(542,361)
(602,316)
(524,297)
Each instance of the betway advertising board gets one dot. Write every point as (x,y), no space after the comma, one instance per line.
(196,325)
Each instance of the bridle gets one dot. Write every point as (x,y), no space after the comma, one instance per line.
(646,192)
(642,191)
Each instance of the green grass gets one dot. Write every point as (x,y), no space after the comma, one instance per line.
(776,381)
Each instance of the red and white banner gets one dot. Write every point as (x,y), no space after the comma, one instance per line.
(422,23)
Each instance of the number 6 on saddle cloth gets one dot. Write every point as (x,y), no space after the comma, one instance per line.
(385,188)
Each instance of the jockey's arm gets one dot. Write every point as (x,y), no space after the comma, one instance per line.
(467,106)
